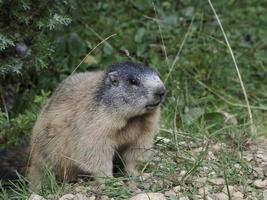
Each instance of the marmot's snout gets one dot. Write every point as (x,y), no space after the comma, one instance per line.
(158,95)
(160,92)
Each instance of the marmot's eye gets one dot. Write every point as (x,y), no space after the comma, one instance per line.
(114,81)
(133,81)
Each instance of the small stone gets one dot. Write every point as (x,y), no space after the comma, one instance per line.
(92,197)
(163,139)
(119,183)
(209,198)
(203,191)
(36,197)
(200,182)
(238,194)
(52,197)
(264,158)
(211,156)
(145,176)
(260,156)
(101,186)
(182,173)
(146,185)
(177,189)
(170,193)
(259,171)
(216,147)
(217,181)
(237,166)
(219,196)
(231,189)
(105,197)
(265,195)
(260,183)
(183,143)
(197,150)
(202,179)
(81,189)
(248,157)
(184,198)
(133,187)
(197,197)
(80,196)
(67,197)
(148,196)
(212,173)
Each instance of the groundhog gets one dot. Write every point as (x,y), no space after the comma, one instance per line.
(92,117)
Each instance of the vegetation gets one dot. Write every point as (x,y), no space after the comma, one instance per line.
(42,42)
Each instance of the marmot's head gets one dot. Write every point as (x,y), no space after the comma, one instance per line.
(131,89)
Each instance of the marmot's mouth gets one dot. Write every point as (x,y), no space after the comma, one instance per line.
(153,105)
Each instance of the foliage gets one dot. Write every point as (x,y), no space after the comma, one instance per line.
(12,130)
(25,29)
(26,48)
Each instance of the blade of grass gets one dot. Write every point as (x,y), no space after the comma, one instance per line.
(175,126)
(161,36)
(125,51)
(198,162)
(220,95)
(4,104)
(103,41)
(180,50)
(252,126)
(20,187)
(227,185)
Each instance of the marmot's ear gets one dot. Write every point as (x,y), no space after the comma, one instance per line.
(113,78)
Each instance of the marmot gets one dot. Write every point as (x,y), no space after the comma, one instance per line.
(93,116)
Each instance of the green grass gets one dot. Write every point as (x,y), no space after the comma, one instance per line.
(183,40)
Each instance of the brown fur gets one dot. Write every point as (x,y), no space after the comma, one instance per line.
(72,135)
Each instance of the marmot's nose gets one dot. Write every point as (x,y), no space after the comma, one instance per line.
(160,91)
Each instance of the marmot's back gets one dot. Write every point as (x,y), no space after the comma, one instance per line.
(74,89)
(70,98)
